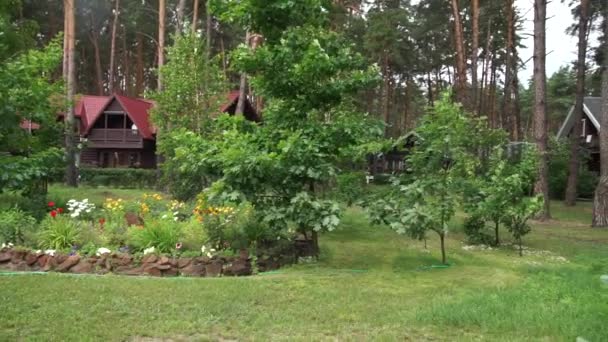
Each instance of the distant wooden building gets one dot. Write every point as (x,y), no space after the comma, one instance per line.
(116,130)
(592,113)
(393,160)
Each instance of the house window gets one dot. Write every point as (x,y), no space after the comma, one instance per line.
(584,128)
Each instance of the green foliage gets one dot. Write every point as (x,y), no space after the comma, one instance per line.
(558,172)
(443,168)
(17,227)
(476,231)
(162,234)
(59,233)
(194,89)
(504,184)
(119,178)
(516,217)
(350,187)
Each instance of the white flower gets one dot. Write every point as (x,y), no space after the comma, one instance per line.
(164,216)
(102,251)
(149,250)
(74,214)
(175,219)
(50,252)
(38,252)
(203,249)
(209,255)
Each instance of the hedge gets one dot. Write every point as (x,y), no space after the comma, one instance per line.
(119,178)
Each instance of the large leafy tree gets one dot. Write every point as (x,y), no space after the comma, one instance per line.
(27,89)
(307,76)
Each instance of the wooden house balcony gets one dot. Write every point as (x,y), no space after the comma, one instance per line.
(114,138)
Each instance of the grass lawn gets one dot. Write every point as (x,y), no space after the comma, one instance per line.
(369,284)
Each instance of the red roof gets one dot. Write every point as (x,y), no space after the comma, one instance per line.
(89,108)
(27,124)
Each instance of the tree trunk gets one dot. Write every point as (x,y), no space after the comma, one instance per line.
(461,67)
(113,48)
(70,129)
(240,107)
(575,137)
(386,97)
(540,110)
(161,41)
(209,34)
(181,5)
(94,38)
(126,69)
(429,85)
(474,48)
(442,241)
(507,108)
(600,201)
(484,71)
(139,65)
(194,16)
(496,233)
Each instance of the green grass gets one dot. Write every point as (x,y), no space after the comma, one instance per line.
(369,284)
(94,194)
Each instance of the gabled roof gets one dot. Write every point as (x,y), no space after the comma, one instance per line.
(89,109)
(592,108)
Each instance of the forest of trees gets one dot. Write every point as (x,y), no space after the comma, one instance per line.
(421,48)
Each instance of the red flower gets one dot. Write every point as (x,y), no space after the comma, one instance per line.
(53,213)
(102,221)
(60,210)
(51,204)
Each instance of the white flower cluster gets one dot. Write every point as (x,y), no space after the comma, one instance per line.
(149,250)
(50,252)
(77,207)
(207,251)
(6,245)
(101,251)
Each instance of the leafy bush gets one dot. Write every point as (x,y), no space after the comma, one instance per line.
(16,227)
(350,187)
(558,172)
(119,178)
(58,232)
(475,229)
(163,235)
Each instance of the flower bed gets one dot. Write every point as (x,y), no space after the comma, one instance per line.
(14,259)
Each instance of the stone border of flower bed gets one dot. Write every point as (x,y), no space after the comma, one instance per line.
(15,259)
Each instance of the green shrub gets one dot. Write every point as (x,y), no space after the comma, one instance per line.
(58,233)
(476,231)
(118,178)
(161,234)
(350,187)
(17,227)
(558,172)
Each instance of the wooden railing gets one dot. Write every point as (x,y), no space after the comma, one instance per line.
(114,138)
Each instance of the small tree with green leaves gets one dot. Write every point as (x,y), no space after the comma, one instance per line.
(439,165)
(517,215)
(506,183)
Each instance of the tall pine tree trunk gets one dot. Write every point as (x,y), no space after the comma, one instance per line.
(386,97)
(139,64)
(474,49)
(70,123)
(461,66)
(94,38)
(181,5)
(194,16)
(600,201)
(575,137)
(111,76)
(507,108)
(540,110)
(240,107)
(161,41)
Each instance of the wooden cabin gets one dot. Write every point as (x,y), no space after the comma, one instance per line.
(589,139)
(116,131)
